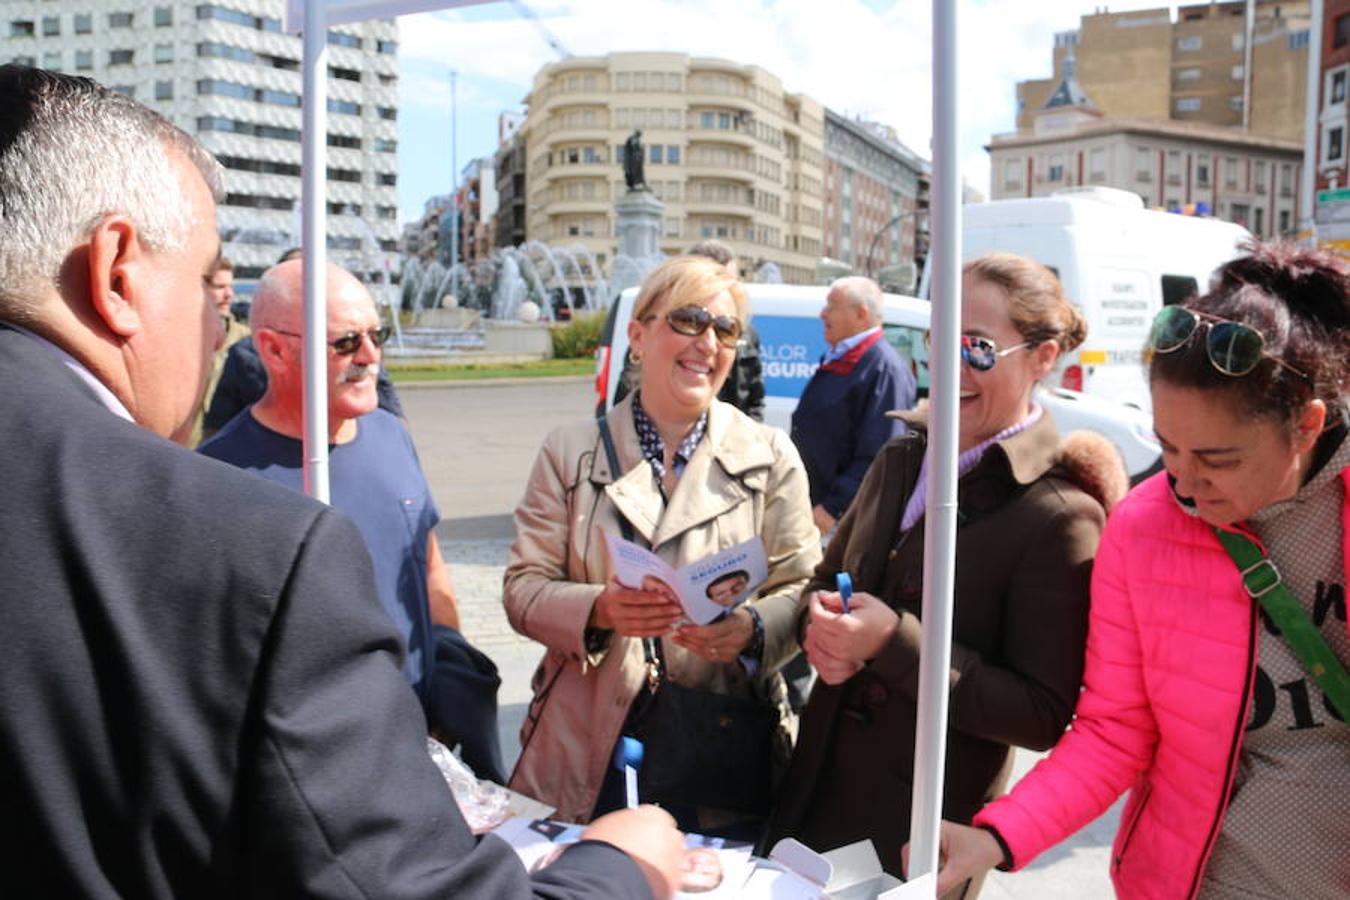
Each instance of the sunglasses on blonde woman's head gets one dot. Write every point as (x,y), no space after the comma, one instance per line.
(1233,348)
(981,353)
(692,321)
(349,343)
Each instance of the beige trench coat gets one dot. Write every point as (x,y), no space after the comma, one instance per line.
(744,479)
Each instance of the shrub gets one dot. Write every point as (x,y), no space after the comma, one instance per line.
(579,337)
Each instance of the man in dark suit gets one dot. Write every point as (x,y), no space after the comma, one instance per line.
(198,698)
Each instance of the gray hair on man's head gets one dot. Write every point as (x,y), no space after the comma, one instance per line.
(72,153)
(863,292)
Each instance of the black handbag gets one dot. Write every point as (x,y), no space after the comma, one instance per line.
(700,748)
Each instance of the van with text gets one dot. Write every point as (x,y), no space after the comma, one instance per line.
(1118,261)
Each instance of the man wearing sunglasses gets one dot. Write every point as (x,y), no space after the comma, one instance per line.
(375,477)
(840,422)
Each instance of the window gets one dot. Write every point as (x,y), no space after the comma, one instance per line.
(1341,31)
(342,140)
(351,176)
(724,120)
(51,26)
(84,23)
(84,60)
(345,107)
(673,154)
(126,90)
(1284,221)
(654,154)
(1286,180)
(386,179)
(706,120)
(386,112)
(1178,289)
(1188,104)
(235,17)
(52,61)
(22,28)
(384,145)
(1298,39)
(386,46)
(1238,72)
(1239,213)
(344,74)
(24,61)
(120,19)
(1239,40)
(163,90)
(1194,42)
(1258,222)
(1143,164)
(1337,92)
(592,155)
(281,98)
(164,53)
(1335,144)
(1202,171)
(1191,74)
(1230,172)
(1056,170)
(1235,103)
(1173,167)
(1260,176)
(120,57)
(338,39)
(1012,172)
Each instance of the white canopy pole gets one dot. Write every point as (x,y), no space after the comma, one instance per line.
(1311,104)
(314,17)
(939,558)
(314,247)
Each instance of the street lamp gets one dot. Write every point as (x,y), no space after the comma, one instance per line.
(894,220)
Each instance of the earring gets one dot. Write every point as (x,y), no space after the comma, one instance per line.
(635,356)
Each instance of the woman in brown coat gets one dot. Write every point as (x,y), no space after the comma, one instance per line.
(695,476)
(1030,515)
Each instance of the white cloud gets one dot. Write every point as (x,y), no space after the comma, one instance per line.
(846,54)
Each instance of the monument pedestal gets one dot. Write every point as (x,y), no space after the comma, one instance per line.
(638,219)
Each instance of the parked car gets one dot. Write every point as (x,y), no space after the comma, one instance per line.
(792,340)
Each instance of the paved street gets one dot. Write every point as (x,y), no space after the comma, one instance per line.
(477,444)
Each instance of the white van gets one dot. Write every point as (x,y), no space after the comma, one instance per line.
(792,340)
(1119,262)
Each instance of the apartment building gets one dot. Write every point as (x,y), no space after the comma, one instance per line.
(225,72)
(876,196)
(731,153)
(509,169)
(477,210)
(1188,167)
(1196,68)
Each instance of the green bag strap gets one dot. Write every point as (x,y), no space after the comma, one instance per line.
(1264,584)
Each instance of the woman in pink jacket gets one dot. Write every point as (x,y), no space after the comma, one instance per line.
(1194,699)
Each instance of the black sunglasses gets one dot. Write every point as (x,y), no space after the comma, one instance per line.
(980,353)
(1232,347)
(694,320)
(349,343)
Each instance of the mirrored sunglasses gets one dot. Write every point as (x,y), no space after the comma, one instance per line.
(980,353)
(1233,348)
(694,320)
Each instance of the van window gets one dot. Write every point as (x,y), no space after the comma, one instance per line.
(909,343)
(1178,289)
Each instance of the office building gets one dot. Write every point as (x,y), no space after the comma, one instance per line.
(226,73)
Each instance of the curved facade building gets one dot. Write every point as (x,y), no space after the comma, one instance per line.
(731,154)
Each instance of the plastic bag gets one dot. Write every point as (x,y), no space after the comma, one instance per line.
(483,804)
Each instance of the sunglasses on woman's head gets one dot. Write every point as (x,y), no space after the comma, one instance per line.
(1232,347)
(694,320)
(980,353)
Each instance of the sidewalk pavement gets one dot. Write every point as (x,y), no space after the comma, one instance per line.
(1075,870)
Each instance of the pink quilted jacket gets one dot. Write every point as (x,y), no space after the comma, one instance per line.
(1171,654)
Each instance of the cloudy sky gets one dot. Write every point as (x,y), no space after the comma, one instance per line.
(865,57)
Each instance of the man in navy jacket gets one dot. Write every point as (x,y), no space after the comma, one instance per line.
(840,422)
(199,696)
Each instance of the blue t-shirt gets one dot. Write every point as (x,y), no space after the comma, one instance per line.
(377,481)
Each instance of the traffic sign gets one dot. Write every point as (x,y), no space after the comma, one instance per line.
(1335,196)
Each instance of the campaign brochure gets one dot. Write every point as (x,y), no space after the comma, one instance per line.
(794,871)
(706,589)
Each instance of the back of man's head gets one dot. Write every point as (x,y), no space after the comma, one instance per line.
(863,292)
(71,153)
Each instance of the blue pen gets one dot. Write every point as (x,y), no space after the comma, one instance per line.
(845,585)
(628,758)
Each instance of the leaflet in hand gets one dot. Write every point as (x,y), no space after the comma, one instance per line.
(706,588)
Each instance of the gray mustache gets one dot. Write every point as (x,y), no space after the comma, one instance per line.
(357,373)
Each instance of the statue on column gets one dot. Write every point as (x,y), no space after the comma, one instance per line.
(633,162)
